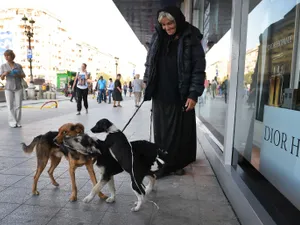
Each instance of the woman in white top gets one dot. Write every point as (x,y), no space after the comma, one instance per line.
(82,88)
(13,73)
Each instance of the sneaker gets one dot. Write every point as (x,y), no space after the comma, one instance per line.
(114,106)
(13,125)
(119,106)
(18,125)
(78,113)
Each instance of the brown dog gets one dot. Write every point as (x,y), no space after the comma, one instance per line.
(47,146)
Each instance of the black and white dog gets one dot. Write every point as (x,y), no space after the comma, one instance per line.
(139,158)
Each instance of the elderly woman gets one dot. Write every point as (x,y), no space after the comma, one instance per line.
(13,73)
(174,78)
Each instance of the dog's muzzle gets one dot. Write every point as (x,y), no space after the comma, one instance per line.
(55,142)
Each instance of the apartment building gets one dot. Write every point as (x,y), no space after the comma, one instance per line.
(53,47)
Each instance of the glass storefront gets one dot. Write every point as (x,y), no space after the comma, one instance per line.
(212,107)
(268,96)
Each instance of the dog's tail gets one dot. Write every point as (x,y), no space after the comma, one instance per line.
(29,148)
(159,161)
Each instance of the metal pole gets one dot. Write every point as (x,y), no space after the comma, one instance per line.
(30,60)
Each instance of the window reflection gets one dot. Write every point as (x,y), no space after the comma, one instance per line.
(212,105)
(268,88)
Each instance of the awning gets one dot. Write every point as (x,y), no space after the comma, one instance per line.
(141,15)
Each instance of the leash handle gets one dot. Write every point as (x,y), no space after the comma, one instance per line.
(133,116)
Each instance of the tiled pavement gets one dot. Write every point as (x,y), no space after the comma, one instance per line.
(193,199)
(59,97)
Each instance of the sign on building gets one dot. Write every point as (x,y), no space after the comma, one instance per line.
(280,151)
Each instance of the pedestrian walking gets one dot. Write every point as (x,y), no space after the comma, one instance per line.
(82,88)
(110,89)
(14,74)
(137,86)
(117,93)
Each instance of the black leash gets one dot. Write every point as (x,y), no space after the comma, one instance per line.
(133,116)
(151,119)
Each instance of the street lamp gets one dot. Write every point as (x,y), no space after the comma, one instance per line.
(29,33)
(117,62)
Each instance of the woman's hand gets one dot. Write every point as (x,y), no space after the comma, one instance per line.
(4,75)
(190,104)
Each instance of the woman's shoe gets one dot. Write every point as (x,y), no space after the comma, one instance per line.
(179,172)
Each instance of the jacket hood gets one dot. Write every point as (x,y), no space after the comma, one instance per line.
(178,16)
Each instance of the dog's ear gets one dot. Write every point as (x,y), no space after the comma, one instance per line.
(79,128)
(106,126)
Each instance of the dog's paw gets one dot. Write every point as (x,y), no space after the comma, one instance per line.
(110,199)
(148,190)
(135,209)
(35,193)
(102,196)
(55,184)
(73,198)
(87,199)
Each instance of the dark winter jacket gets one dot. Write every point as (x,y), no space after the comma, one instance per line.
(190,62)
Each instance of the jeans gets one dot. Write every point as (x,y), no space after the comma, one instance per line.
(101,95)
(14,106)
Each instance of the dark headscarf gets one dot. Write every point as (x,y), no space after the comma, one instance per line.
(181,24)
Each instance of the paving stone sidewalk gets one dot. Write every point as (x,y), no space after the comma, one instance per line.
(193,199)
(59,97)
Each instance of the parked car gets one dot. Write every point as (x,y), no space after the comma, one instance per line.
(2,93)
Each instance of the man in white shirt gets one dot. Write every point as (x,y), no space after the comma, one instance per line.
(110,88)
(137,85)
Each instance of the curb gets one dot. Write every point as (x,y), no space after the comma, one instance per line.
(38,102)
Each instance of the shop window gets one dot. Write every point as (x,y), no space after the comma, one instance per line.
(212,105)
(268,99)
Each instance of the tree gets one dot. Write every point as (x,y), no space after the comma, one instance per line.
(248,78)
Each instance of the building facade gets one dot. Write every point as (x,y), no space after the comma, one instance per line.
(54,49)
